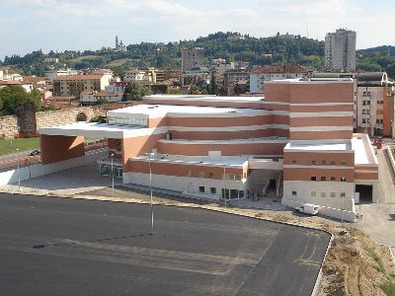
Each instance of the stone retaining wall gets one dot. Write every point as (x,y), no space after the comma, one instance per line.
(9,124)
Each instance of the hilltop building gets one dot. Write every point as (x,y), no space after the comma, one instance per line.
(340,51)
(119,45)
(297,143)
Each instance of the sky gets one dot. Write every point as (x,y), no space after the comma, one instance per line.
(58,25)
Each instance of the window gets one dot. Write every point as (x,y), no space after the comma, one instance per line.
(333,178)
(342,194)
(213,190)
(294,193)
(313,162)
(332,194)
(190,173)
(293,161)
(201,189)
(323,194)
(201,175)
(323,178)
(363,120)
(333,162)
(343,179)
(211,175)
(323,162)
(313,193)
(343,163)
(313,178)
(118,145)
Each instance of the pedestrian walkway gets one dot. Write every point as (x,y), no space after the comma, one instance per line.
(86,181)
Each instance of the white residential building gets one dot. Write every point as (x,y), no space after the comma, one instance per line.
(52,74)
(260,75)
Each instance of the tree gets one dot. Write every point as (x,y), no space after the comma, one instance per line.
(391,70)
(14,96)
(135,91)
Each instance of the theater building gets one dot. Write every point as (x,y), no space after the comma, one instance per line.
(297,143)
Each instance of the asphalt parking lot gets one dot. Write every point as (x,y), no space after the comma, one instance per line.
(56,246)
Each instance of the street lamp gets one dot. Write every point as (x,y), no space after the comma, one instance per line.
(112,171)
(19,175)
(224,191)
(150,187)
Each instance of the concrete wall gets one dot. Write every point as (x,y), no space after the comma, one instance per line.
(304,193)
(187,185)
(390,156)
(346,215)
(39,170)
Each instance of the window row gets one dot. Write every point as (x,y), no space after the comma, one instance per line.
(323,162)
(225,193)
(325,178)
(212,175)
(321,194)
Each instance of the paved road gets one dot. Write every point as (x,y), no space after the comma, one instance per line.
(52,246)
(379,218)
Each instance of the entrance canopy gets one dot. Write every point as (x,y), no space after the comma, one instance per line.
(94,130)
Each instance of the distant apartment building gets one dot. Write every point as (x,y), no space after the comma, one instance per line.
(235,78)
(73,85)
(116,87)
(200,74)
(373,101)
(172,73)
(146,76)
(28,86)
(192,57)
(132,75)
(260,75)
(52,74)
(89,97)
(340,51)
(11,75)
(219,67)
(51,60)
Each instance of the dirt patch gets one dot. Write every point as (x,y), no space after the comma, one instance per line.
(356,265)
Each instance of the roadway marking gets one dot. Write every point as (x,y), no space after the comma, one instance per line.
(159,258)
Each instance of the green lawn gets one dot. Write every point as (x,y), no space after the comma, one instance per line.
(22,144)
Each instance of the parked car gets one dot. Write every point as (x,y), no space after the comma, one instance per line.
(307,208)
(34,152)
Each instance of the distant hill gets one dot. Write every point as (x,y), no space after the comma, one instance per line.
(233,46)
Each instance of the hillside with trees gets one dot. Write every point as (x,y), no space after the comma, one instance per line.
(233,46)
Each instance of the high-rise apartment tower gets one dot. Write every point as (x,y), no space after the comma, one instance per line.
(192,57)
(340,48)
